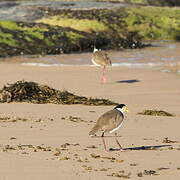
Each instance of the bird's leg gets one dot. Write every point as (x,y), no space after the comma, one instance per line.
(118,142)
(102,136)
(103,79)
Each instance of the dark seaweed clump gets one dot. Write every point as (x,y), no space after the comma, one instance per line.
(155,113)
(32,92)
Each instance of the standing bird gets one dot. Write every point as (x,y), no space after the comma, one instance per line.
(100,58)
(110,122)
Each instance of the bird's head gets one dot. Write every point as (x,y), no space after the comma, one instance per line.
(122,108)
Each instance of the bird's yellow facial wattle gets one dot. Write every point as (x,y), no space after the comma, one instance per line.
(125,109)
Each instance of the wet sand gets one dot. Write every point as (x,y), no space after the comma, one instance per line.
(42,141)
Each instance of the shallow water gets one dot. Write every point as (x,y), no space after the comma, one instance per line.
(164,56)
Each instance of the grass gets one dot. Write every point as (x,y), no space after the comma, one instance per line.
(77,24)
(125,1)
(147,2)
(73,37)
(27,33)
(9,25)
(8,39)
(154,23)
(33,31)
(139,1)
(35,34)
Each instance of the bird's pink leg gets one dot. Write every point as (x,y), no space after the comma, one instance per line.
(103,79)
(118,142)
(104,142)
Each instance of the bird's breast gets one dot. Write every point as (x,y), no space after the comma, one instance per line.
(115,129)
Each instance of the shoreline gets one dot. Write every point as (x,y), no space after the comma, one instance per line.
(163,56)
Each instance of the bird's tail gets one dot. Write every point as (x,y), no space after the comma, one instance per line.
(94,130)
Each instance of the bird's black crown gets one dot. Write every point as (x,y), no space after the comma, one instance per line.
(120,106)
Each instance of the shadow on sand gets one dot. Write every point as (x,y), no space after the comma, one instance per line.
(143,147)
(128,81)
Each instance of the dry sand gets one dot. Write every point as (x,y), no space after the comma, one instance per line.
(46,146)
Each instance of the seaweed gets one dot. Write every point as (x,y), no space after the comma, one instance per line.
(32,92)
(167,140)
(155,113)
(118,175)
(147,172)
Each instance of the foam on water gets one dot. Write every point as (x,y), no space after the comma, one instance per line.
(123,64)
(53,65)
(39,64)
(136,65)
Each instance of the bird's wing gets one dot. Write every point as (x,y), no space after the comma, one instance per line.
(101,58)
(110,120)
(106,57)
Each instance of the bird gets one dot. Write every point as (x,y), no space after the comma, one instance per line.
(110,122)
(100,58)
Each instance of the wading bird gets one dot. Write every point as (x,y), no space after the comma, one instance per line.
(100,58)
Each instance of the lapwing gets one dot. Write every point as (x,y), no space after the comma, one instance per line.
(110,122)
(100,58)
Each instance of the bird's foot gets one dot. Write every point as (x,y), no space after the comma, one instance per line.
(103,80)
(123,150)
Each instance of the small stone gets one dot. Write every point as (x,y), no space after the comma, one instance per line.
(140,174)
(95,156)
(12,138)
(133,164)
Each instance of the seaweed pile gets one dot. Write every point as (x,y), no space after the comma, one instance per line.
(32,92)
(155,113)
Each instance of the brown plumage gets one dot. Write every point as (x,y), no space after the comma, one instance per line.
(100,58)
(110,122)
(107,122)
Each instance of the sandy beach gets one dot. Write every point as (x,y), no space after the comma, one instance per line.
(48,141)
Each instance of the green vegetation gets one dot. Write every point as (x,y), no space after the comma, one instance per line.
(78,24)
(34,33)
(151,23)
(67,31)
(147,2)
(35,38)
(154,23)
(155,113)
(13,33)
(6,38)
(74,37)
(9,25)
(126,1)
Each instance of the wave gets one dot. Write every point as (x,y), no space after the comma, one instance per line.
(123,64)
(136,65)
